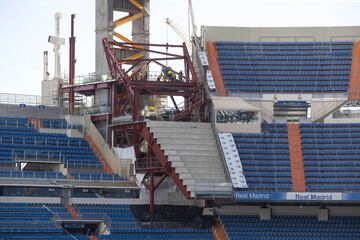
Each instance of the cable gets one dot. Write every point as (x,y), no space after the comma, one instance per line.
(60,224)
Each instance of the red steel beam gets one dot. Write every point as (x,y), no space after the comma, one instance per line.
(98,118)
(155,147)
(88,87)
(141,128)
(72,65)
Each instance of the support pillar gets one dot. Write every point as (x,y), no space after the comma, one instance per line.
(103,28)
(152,193)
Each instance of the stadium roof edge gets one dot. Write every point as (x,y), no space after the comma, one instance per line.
(282,34)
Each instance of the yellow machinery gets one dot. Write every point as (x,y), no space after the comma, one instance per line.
(131,17)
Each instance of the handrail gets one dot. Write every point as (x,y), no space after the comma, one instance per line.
(328,109)
(286,37)
(41,141)
(35,175)
(19,155)
(10,98)
(24,124)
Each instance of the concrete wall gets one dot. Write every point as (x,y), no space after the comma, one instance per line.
(321,107)
(104,17)
(75,120)
(330,119)
(14,110)
(290,210)
(238,128)
(72,133)
(105,201)
(50,91)
(266,107)
(287,34)
(103,28)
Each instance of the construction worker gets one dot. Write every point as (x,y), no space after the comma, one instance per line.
(145,75)
(171,75)
(180,76)
(160,77)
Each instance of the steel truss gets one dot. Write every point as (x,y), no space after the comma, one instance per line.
(154,163)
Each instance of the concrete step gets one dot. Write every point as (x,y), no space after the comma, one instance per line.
(197,170)
(177,124)
(203,176)
(194,153)
(197,142)
(197,164)
(183,135)
(214,188)
(199,159)
(171,146)
(193,182)
(192,150)
(181,130)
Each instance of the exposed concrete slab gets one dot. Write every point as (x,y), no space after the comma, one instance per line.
(181,130)
(187,147)
(203,142)
(194,153)
(198,159)
(166,124)
(197,164)
(197,170)
(183,135)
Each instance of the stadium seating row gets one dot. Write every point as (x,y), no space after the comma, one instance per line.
(241,62)
(290,227)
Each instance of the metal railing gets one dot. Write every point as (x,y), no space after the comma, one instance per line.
(95,177)
(14,123)
(264,39)
(87,78)
(10,98)
(57,125)
(259,94)
(97,109)
(81,164)
(31,175)
(328,108)
(41,141)
(37,156)
(346,114)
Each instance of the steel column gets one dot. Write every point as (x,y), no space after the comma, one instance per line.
(72,65)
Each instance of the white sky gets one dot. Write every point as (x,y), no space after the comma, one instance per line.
(26,24)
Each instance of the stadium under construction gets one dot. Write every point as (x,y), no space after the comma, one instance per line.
(239,133)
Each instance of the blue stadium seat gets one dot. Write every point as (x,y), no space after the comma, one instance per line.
(331,156)
(265,158)
(285,67)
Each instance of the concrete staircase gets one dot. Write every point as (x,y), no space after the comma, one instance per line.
(192,150)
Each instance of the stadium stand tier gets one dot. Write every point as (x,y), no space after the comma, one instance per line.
(126,225)
(21,142)
(32,221)
(331,156)
(285,67)
(290,227)
(265,158)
